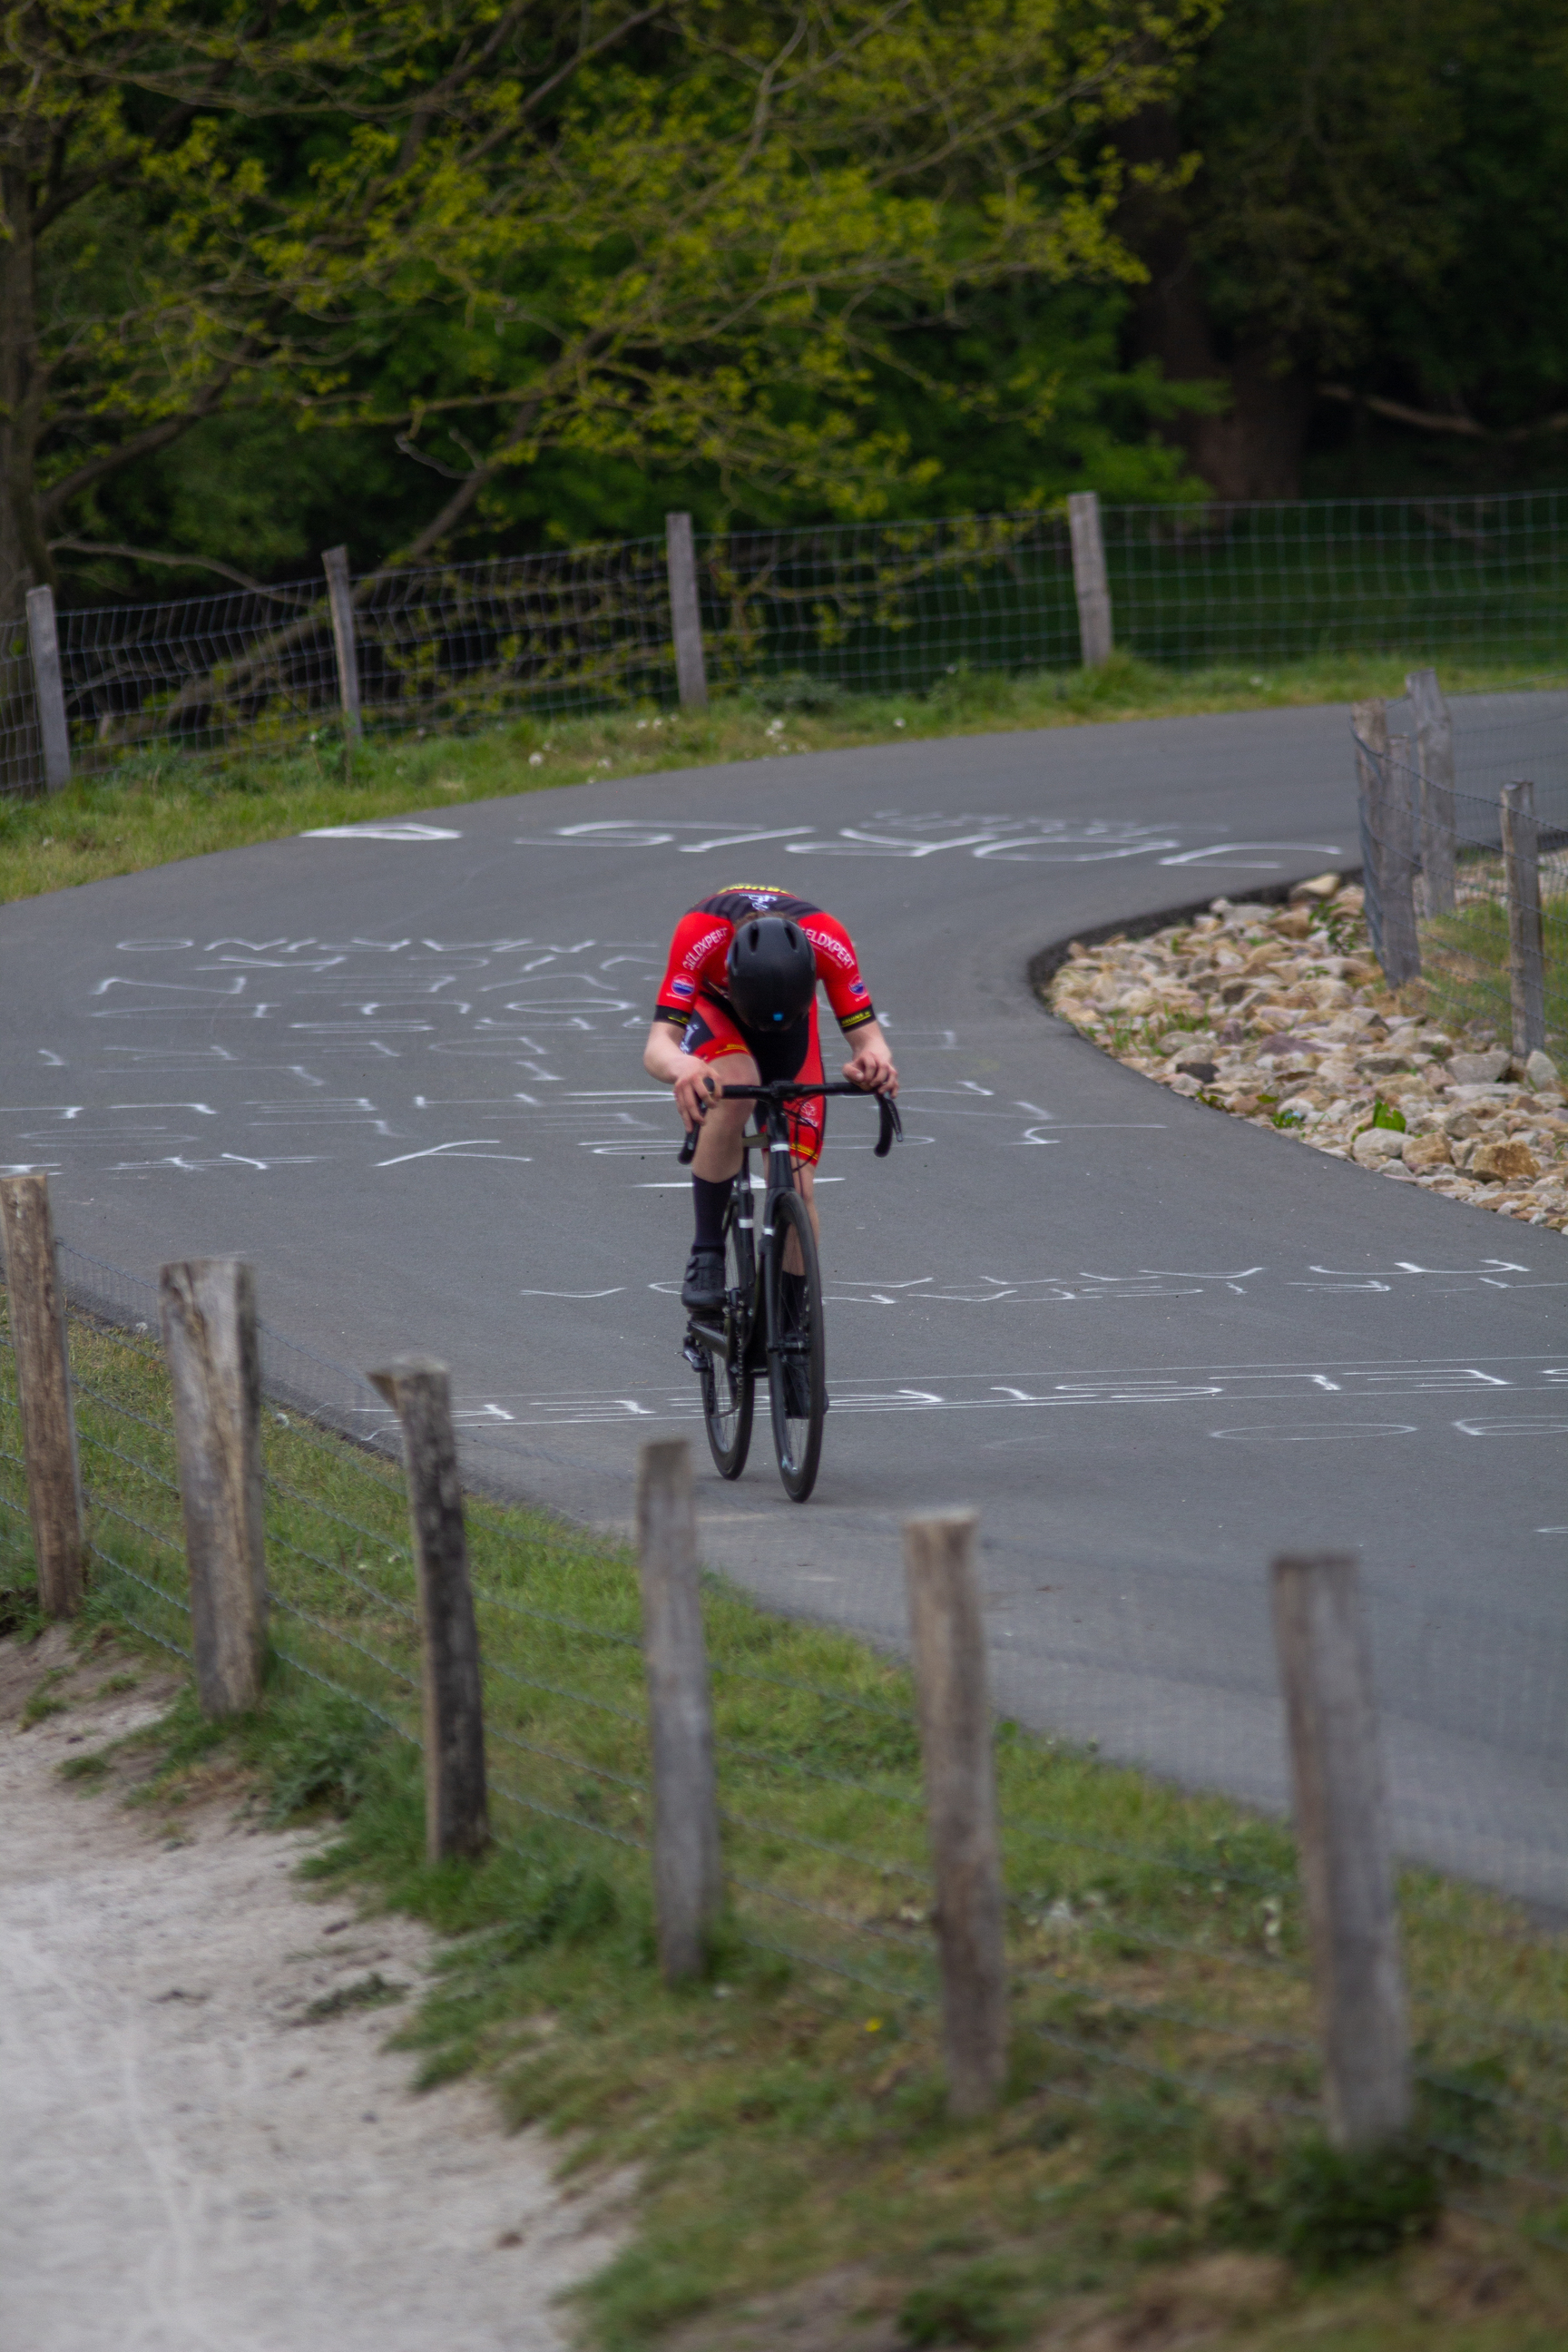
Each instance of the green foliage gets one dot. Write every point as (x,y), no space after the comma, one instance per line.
(966,2308)
(92,1766)
(1378,200)
(628,245)
(796,690)
(1384,1114)
(44,1700)
(1459,2103)
(21,1618)
(1328,2209)
(1465,955)
(320,1759)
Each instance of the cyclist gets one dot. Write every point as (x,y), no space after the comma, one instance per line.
(738,1007)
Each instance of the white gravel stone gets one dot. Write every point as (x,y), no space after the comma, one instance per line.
(1373,1145)
(1267,978)
(1480,1069)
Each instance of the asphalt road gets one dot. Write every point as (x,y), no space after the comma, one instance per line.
(401,1075)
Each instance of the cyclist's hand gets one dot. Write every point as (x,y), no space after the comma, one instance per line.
(873,1068)
(694,1089)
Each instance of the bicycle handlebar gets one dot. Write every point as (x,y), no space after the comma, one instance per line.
(785,1090)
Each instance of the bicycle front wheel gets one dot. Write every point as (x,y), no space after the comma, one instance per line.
(797,1368)
(728,1380)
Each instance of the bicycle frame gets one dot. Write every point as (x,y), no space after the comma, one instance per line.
(758,1341)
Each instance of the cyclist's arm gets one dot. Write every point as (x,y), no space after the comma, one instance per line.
(839,969)
(663,1059)
(870,1063)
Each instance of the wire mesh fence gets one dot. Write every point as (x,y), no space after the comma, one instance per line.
(866,608)
(1465,857)
(1154,1941)
(1471,577)
(21,748)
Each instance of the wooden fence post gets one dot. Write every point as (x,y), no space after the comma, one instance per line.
(43,1384)
(949,1637)
(207,1311)
(1526,945)
(48,687)
(687,1881)
(340,596)
(457,1815)
(686,612)
(1435,761)
(1369,734)
(1089,582)
(1401,939)
(1385,779)
(1341,1834)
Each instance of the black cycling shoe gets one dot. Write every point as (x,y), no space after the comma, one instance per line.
(798,1387)
(702,1291)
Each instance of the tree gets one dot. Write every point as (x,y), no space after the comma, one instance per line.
(1376,215)
(690,230)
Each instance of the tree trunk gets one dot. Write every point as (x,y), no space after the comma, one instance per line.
(1252,447)
(24,556)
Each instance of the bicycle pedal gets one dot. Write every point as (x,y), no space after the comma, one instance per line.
(695,1355)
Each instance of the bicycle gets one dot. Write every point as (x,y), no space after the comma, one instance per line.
(772,1318)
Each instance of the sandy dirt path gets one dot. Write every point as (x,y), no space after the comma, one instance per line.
(183,2163)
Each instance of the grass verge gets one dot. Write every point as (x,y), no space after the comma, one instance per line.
(1154,2176)
(161,805)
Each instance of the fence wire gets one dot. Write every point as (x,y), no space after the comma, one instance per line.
(1434,870)
(1171,1957)
(884,607)
(21,747)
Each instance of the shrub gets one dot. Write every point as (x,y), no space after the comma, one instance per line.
(1328,2209)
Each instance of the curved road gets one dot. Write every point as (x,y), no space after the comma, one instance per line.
(401,1073)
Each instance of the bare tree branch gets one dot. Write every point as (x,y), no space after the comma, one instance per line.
(1427,420)
(154,555)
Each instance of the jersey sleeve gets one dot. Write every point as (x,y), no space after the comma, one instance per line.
(696,952)
(839,969)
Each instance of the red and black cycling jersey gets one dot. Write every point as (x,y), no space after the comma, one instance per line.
(698,955)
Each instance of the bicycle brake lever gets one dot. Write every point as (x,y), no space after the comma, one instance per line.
(889,1125)
(689,1146)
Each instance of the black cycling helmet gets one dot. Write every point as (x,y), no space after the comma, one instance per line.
(772,972)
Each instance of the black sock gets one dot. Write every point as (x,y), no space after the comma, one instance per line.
(709,1202)
(792,1290)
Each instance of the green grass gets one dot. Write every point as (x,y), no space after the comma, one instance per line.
(785,2118)
(158,804)
(1464,958)
(44,1700)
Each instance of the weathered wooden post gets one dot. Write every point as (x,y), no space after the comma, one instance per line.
(1401,939)
(48,687)
(1526,944)
(949,1637)
(456,1812)
(340,596)
(1342,1833)
(686,612)
(1369,734)
(207,1311)
(1387,842)
(43,1383)
(1091,584)
(687,1881)
(1435,760)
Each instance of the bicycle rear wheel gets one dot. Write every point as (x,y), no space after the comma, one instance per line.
(798,1368)
(727,1381)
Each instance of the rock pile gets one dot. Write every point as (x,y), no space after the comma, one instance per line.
(1281,1015)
